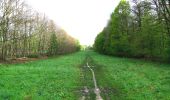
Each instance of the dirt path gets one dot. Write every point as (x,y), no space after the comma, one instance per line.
(91,90)
(95,85)
(96,90)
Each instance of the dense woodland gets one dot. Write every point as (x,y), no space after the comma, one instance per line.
(137,28)
(25,33)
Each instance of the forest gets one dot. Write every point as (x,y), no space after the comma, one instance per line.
(137,29)
(25,32)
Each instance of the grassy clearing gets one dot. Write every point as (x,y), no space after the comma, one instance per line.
(52,79)
(122,78)
(64,78)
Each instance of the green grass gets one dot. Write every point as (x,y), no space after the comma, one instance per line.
(131,79)
(51,79)
(62,78)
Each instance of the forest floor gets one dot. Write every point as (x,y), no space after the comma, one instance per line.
(68,78)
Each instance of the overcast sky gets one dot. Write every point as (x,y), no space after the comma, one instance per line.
(82,19)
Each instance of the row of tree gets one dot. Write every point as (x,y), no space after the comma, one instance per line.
(139,28)
(25,32)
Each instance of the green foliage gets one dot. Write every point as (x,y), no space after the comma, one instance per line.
(135,33)
(99,42)
(25,32)
(78,46)
(53,45)
(33,56)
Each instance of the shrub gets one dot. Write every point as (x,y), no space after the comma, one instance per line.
(33,56)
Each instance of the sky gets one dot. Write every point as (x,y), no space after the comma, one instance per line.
(82,19)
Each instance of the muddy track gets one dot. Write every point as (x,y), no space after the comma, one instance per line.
(92,77)
(96,90)
(90,89)
(87,90)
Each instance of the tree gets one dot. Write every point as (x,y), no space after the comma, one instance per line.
(137,30)
(53,45)
(25,32)
(99,42)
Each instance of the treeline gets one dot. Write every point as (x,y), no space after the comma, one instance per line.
(139,28)
(25,32)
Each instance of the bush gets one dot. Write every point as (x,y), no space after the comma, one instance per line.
(33,56)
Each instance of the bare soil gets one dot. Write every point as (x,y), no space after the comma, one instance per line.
(21,60)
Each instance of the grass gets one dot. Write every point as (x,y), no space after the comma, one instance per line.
(53,79)
(130,79)
(62,78)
